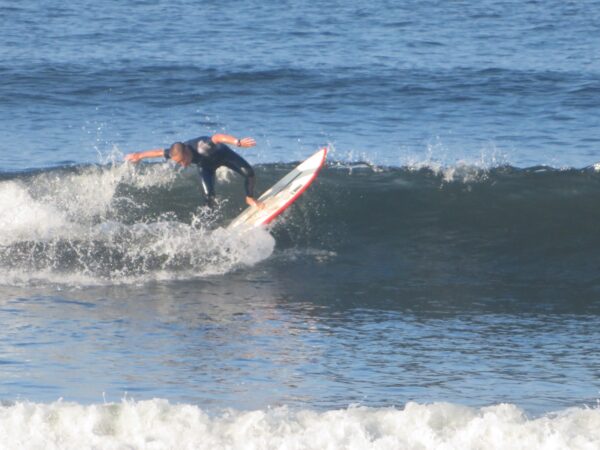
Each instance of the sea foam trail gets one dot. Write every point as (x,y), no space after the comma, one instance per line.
(156,424)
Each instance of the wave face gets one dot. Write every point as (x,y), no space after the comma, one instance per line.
(425,223)
(159,425)
(427,226)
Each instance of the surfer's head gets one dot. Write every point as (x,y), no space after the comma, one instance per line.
(180,154)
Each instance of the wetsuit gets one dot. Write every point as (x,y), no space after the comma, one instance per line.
(209,157)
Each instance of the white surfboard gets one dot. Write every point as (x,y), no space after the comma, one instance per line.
(282,194)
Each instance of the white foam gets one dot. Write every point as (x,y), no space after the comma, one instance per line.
(146,252)
(23,218)
(157,424)
(52,206)
(64,227)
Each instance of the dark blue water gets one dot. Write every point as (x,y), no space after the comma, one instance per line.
(448,253)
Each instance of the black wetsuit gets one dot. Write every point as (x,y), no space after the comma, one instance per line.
(209,157)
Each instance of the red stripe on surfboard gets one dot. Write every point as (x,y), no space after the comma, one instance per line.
(299,193)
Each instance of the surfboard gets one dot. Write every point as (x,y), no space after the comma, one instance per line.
(282,194)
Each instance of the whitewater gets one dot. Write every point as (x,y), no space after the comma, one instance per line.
(157,424)
(83,222)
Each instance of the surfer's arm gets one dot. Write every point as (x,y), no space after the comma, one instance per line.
(137,156)
(231,140)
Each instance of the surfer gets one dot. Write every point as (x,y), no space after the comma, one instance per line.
(208,153)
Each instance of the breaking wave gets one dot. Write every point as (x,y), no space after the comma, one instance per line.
(118,223)
(157,424)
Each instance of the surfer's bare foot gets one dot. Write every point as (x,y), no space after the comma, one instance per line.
(251,202)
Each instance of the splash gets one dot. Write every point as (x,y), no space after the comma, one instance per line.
(114,224)
(471,169)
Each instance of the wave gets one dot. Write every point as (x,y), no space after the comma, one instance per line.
(502,204)
(532,230)
(158,424)
(118,223)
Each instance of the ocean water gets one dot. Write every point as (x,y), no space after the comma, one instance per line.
(437,287)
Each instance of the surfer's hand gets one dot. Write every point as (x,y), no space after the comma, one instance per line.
(246,142)
(133,157)
(251,202)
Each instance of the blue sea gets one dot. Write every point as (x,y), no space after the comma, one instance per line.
(437,287)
